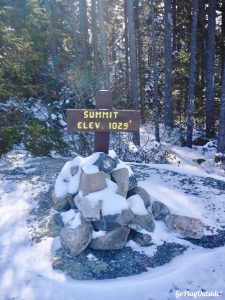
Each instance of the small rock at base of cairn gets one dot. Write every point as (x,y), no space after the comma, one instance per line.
(160,211)
(186,226)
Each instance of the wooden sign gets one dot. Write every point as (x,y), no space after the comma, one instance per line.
(103,120)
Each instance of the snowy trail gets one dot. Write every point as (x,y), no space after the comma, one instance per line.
(25,266)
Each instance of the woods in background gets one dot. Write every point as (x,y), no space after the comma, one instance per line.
(165,57)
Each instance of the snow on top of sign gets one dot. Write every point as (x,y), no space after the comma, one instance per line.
(137,205)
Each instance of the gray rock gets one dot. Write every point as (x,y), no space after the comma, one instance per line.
(142,193)
(54,228)
(58,219)
(115,239)
(74,170)
(90,211)
(121,178)
(142,239)
(106,223)
(160,211)
(61,203)
(125,217)
(75,240)
(132,182)
(143,222)
(110,222)
(71,201)
(186,226)
(90,183)
(105,163)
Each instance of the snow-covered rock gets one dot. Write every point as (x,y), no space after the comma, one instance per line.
(106,163)
(75,240)
(137,205)
(142,193)
(90,209)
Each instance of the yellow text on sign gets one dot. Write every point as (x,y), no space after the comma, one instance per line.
(100,114)
(97,125)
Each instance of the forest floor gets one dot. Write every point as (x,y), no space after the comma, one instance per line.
(27,248)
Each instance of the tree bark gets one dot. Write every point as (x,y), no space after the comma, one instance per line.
(210,70)
(84,33)
(203,44)
(221,133)
(155,76)
(50,9)
(104,45)
(141,66)
(223,38)
(127,75)
(94,38)
(168,65)
(133,63)
(192,73)
(174,7)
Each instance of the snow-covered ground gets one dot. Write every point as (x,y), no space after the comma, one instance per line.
(25,266)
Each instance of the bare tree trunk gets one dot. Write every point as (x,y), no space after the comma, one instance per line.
(155,71)
(168,65)
(104,46)
(210,70)
(174,7)
(127,75)
(52,35)
(203,43)
(221,133)
(141,66)
(192,73)
(84,33)
(223,38)
(94,38)
(133,63)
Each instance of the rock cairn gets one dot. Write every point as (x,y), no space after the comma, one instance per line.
(101,206)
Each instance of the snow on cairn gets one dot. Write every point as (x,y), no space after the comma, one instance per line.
(103,206)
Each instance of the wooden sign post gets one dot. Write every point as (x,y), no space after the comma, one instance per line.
(103,120)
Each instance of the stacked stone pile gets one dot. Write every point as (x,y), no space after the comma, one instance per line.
(102,207)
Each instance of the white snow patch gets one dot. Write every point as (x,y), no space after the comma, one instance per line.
(91,169)
(96,234)
(71,218)
(112,154)
(137,205)
(123,165)
(91,257)
(112,203)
